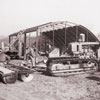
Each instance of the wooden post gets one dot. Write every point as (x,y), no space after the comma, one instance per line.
(65,36)
(76,33)
(25,45)
(87,36)
(36,54)
(40,40)
(29,40)
(53,35)
(36,42)
(9,39)
(9,42)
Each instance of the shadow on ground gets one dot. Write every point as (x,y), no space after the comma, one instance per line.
(2,98)
(95,78)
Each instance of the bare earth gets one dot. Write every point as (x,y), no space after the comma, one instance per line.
(43,87)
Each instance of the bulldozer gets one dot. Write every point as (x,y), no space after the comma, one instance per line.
(80,57)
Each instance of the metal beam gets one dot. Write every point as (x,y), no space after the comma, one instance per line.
(25,46)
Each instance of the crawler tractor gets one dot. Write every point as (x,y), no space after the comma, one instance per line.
(80,57)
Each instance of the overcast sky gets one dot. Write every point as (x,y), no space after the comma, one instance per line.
(21,14)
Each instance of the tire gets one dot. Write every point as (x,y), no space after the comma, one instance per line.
(9,79)
(26,77)
(93,64)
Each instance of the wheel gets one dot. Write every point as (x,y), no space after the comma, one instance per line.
(26,77)
(30,61)
(93,64)
(9,79)
(51,68)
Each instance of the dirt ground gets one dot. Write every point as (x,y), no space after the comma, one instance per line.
(43,87)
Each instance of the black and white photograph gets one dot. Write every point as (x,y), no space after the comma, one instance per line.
(49,49)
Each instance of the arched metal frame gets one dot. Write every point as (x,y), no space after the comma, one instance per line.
(53,26)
